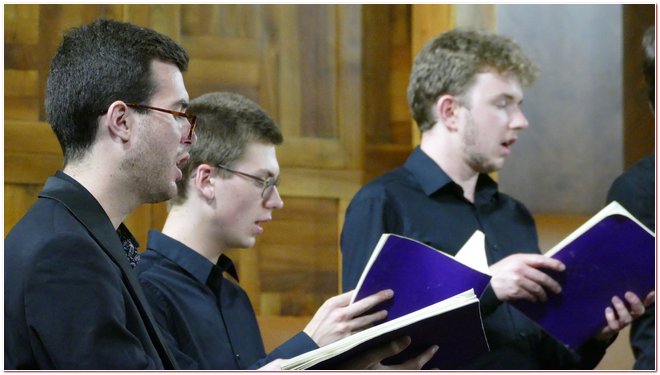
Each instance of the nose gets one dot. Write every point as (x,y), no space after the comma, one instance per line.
(273,199)
(519,121)
(189,140)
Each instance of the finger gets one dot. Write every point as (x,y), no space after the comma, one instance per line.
(507,290)
(365,304)
(621,311)
(650,299)
(524,293)
(543,280)
(542,261)
(366,321)
(417,362)
(533,290)
(330,305)
(636,306)
(390,349)
(612,322)
(397,346)
(341,300)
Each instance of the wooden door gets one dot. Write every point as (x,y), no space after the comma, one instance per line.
(302,63)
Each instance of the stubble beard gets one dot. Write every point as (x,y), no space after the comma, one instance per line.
(475,159)
(147,173)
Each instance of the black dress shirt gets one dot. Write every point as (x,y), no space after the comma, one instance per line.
(207,320)
(420,201)
(635,190)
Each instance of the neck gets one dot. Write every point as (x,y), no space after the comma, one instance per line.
(446,152)
(186,224)
(115,197)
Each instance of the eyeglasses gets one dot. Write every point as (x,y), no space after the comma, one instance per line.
(266,184)
(192,119)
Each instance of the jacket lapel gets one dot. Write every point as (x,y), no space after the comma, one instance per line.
(87,210)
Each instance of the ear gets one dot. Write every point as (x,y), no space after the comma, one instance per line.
(446,111)
(118,121)
(203,182)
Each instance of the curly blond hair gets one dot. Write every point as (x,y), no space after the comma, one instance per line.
(449,63)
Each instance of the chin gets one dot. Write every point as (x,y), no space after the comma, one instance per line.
(162,195)
(492,166)
(249,243)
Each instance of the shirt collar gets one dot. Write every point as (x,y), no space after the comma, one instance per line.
(130,245)
(226,265)
(428,174)
(188,259)
(432,178)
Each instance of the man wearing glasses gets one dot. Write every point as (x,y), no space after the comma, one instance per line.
(227,193)
(116,100)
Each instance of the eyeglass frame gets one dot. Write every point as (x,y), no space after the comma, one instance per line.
(192,119)
(270,182)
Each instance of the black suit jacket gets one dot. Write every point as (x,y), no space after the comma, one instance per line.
(635,190)
(71,299)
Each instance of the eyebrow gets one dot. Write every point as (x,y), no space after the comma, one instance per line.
(268,172)
(182,102)
(508,97)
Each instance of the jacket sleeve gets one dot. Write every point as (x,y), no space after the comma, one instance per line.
(298,344)
(642,340)
(76,309)
(630,194)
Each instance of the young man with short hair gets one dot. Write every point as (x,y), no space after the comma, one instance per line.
(465,93)
(115,99)
(227,194)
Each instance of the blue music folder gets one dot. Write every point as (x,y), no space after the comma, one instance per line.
(610,254)
(435,303)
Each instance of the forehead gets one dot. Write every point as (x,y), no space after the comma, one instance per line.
(490,85)
(169,85)
(260,156)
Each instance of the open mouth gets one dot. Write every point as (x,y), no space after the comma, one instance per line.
(507,144)
(183,161)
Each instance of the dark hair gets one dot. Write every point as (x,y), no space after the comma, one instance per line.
(648,43)
(226,124)
(449,63)
(97,64)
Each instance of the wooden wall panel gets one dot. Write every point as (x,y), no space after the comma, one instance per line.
(317,40)
(303,274)
(301,63)
(18,197)
(393,36)
(428,20)
(387,62)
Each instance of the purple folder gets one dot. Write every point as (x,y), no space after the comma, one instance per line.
(419,275)
(614,256)
(458,334)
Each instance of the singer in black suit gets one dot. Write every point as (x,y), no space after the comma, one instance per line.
(116,100)
(71,297)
